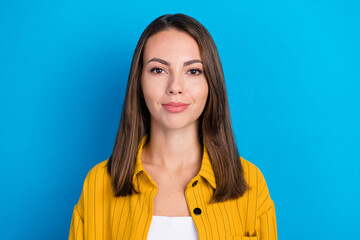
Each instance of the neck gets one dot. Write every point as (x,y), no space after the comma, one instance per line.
(173,149)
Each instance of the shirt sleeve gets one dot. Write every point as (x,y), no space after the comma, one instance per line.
(266,212)
(77,222)
(77,226)
(268,228)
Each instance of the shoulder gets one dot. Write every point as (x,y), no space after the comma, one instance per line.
(96,181)
(252,173)
(99,168)
(97,177)
(258,187)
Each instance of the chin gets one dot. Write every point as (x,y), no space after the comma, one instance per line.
(176,124)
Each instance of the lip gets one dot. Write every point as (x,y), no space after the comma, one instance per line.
(175,107)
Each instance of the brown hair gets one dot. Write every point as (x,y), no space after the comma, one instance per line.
(214,123)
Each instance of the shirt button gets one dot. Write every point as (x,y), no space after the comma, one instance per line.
(194,183)
(197,211)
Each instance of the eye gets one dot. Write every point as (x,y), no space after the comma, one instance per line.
(194,71)
(157,70)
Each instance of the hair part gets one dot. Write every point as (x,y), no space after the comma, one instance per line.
(214,123)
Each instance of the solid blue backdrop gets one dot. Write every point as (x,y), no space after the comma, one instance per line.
(292,73)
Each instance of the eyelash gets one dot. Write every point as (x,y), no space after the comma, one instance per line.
(154,70)
(197,71)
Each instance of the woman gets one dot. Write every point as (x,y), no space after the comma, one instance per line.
(175,172)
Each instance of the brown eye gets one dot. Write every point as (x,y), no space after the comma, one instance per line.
(194,71)
(157,70)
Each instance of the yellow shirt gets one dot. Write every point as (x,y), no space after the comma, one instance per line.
(100,215)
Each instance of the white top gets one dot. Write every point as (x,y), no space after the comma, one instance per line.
(172,228)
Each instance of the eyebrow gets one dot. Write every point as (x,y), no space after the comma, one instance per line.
(168,64)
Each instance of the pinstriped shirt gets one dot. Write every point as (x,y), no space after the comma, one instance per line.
(100,215)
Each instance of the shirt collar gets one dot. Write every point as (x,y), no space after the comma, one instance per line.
(206,170)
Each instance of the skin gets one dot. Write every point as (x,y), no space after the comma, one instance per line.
(173,72)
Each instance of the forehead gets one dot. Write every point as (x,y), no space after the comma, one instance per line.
(171,43)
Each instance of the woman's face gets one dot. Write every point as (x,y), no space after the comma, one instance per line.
(173,81)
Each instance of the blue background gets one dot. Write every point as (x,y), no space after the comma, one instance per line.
(292,72)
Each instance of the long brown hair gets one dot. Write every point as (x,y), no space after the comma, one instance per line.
(214,124)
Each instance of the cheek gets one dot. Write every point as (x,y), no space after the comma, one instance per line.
(202,93)
(151,91)
(146,87)
(146,91)
(148,95)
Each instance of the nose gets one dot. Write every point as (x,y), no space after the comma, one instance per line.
(175,85)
